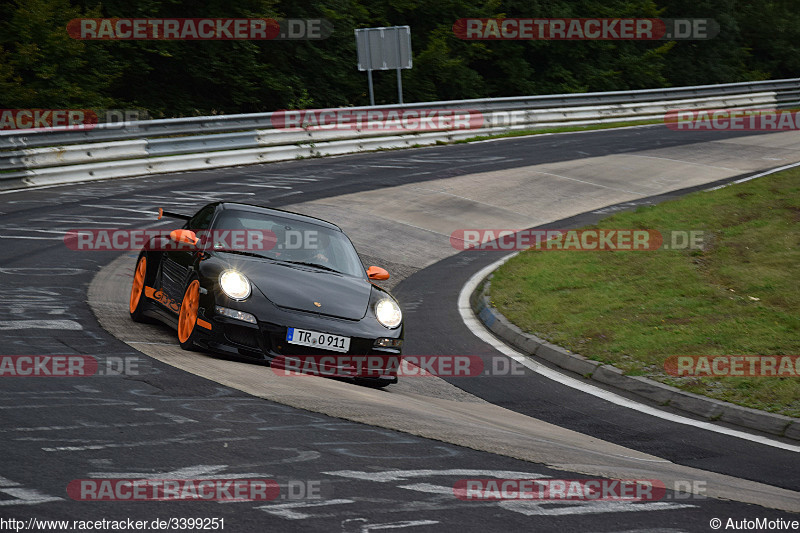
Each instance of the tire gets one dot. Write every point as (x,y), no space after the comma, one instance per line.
(187,318)
(373,383)
(138,301)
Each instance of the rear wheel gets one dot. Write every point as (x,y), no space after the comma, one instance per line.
(138,300)
(187,319)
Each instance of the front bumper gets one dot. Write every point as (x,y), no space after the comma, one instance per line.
(266,341)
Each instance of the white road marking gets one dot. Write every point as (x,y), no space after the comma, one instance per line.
(430,488)
(78,224)
(30,238)
(150,213)
(497,139)
(526,507)
(40,324)
(362,525)
(178,419)
(287,510)
(81,219)
(35,230)
(276,178)
(544,507)
(84,425)
(284,194)
(189,472)
(22,496)
(402,475)
(263,185)
(209,196)
(61,404)
(767,173)
(26,497)
(478,329)
(530,508)
(593,184)
(682,161)
(162,442)
(46,271)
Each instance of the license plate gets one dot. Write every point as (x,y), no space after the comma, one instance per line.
(315,339)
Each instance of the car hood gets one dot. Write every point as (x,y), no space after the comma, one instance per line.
(299,287)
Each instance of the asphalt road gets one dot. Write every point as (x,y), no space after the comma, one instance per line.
(163,423)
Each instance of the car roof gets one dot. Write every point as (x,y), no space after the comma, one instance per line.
(250,208)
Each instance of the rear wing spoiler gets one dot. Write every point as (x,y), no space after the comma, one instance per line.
(162,213)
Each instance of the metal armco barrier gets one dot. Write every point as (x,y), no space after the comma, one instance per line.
(37,157)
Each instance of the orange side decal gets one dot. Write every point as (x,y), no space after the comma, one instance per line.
(160,297)
(203,324)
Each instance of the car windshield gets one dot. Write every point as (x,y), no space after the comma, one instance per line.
(286,240)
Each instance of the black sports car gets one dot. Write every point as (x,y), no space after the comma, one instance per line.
(273,285)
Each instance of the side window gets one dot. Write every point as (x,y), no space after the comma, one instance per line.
(201,220)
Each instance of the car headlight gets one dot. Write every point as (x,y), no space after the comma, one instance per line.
(234,285)
(388,313)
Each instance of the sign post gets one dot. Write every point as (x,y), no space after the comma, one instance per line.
(384,49)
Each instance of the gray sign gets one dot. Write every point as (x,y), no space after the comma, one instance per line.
(384,48)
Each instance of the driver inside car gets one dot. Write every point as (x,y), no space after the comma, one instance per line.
(315,248)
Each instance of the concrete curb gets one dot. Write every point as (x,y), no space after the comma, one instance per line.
(707,408)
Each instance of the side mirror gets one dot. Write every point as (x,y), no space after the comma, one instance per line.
(377,273)
(184,236)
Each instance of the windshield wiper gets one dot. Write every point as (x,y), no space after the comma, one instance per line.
(253,254)
(241,252)
(315,265)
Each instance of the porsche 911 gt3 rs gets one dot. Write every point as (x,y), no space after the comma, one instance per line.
(300,291)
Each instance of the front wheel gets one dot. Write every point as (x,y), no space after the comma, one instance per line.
(187,319)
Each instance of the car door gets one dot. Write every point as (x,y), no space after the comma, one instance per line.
(177,264)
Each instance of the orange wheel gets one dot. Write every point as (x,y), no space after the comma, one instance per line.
(138,283)
(188,316)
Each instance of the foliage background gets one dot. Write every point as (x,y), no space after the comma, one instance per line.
(41,66)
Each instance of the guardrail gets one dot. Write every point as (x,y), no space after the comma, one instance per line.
(37,157)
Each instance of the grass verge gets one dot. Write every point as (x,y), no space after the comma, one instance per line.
(738,295)
(560,129)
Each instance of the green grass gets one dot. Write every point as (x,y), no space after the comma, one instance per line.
(739,295)
(560,129)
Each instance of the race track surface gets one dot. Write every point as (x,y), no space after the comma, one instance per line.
(383,458)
